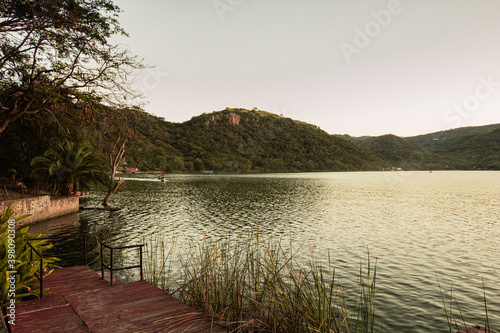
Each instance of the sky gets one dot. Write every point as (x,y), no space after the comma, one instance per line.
(357,67)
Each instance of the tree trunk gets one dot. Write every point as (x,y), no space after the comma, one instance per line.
(112,191)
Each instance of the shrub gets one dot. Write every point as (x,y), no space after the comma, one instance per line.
(20,262)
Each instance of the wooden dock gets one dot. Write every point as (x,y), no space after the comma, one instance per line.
(80,301)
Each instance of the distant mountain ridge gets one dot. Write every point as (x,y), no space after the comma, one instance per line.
(467,148)
(239,140)
(398,151)
(236,140)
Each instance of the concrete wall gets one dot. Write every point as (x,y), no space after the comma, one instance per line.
(42,207)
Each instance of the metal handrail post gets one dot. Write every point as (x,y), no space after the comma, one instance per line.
(140,261)
(102,267)
(111,270)
(41,277)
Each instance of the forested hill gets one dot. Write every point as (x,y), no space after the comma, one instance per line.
(465,148)
(235,140)
(437,140)
(398,151)
(239,140)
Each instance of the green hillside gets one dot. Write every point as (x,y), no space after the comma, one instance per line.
(235,140)
(466,148)
(394,149)
(239,140)
(437,140)
(472,151)
(355,139)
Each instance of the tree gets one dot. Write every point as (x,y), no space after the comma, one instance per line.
(55,55)
(176,163)
(74,166)
(198,164)
(113,132)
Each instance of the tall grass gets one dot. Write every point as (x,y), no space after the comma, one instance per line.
(455,317)
(158,266)
(251,284)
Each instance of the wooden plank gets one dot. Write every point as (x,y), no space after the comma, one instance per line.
(80,301)
(41,304)
(73,280)
(57,319)
(120,306)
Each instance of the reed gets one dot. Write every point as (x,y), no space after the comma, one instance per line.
(252,284)
(455,318)
(158,266)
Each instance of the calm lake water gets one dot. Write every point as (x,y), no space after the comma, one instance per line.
(420,226)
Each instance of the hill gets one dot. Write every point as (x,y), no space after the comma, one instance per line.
(355,139)
(239,140)
(437,140)
(472,151)
(235,140)
(466,148)
(394,149)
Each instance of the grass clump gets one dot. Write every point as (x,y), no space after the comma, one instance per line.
(256,285)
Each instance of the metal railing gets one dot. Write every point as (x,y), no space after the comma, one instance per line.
(40,256)
(40,274)
(112,268)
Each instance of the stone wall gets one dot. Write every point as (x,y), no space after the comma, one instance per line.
(42,207)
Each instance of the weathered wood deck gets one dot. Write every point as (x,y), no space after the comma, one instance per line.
(80,301)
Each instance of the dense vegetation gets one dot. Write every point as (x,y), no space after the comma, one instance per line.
(398,151)
(466,148)
(472,151)
(239,140)
(235,140)
(254,283)
(18,262)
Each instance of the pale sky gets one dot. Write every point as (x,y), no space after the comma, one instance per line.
(361,67)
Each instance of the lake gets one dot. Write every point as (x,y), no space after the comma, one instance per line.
(420,226)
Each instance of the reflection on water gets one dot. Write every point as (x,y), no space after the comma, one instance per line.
(421,226)
(60,225)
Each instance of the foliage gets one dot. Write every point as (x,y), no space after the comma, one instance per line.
(398,151)
(236,140)
(24,267)
(30,136)
(473,151)
(56,56)
(73,167)
(468,148)
(437,140)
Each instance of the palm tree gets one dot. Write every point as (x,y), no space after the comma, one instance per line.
(72,167)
